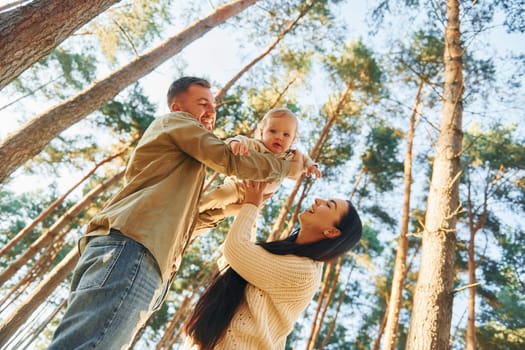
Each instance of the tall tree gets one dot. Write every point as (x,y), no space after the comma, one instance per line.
(418,65)
(33,30)
(432,310)
(493,166)
(32,137)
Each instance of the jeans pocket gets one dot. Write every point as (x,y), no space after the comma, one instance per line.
(96,263)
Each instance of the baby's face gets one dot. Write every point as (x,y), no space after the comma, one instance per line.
(278,133)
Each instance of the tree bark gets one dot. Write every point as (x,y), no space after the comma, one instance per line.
(32,137)
(400,270)
(432,311)
(32,31)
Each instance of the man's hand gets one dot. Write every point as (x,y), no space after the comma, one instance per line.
(239,148)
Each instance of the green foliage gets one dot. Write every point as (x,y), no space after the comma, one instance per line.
(299,62)
(421,58)
(58,74)
(19,210)
(160,319)
(355,66)
(133,115)
(369,244)
(234,117)
(380,158)
(497,149)
(131,26)
(335,155)
(493,162)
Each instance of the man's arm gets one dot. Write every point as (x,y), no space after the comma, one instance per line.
(199,143)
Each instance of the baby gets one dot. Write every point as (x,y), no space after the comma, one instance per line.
(275,134)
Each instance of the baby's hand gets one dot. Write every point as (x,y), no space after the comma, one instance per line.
(239,148)
(313,170)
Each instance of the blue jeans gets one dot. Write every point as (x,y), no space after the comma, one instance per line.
(115,288)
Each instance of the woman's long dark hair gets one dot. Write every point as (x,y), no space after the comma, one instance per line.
(216,306)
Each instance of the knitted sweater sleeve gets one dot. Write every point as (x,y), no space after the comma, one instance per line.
(259,267)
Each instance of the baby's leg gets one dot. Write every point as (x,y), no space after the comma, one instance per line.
(207,220)
(220,197)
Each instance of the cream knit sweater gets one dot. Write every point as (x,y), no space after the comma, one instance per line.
(279,288)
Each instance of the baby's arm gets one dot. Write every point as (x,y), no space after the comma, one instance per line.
(238,146)
(310,168)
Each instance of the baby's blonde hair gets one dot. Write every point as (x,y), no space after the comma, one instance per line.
(276,113)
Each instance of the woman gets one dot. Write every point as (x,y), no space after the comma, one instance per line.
(254,302)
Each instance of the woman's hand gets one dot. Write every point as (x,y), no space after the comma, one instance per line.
(255,192)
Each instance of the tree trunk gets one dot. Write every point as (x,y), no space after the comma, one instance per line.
(57,227)
(340,303)
(325,287)
(20,235)
(30,32)
(400,270)
(314,154)
(9,326)
(330,284)
(32,137)
(474,227)
(293,218)
(35,333)
(222,92)
(42,264)
(471,320)
(432,311)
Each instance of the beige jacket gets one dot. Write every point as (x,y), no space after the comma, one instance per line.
(157,206)
(257,145)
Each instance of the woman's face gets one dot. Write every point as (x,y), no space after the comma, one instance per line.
(320,220)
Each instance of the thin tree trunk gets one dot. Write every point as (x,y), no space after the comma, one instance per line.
(470,339)
(30,32)
(20,235)
(293,218)
(57,227)
(381,330)
(325,287)
(43,324)
(432,311)
(329,285)
(314,154)
(471,320)
(43,262)
(340,303)
(166,341)
(32,137)
(222,92)
(9,325)
(277,229)
(400,270)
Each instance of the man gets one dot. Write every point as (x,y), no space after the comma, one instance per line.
(135,245)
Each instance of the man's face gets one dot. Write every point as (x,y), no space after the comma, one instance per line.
(199,102)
